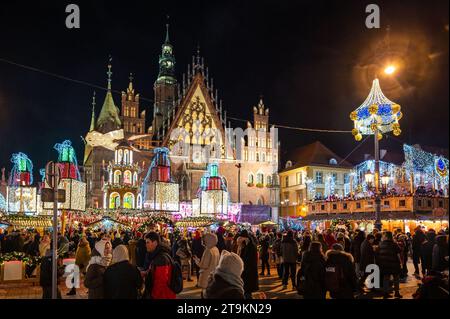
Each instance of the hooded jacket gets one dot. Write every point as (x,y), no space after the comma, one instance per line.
(122,280)
(346,262)
(209,260)
(289,250)
(159,274)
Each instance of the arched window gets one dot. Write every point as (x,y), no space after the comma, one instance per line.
(117,175)
(269,180)
(257,156)
(126,157)
(260,178)
(333,161)
(260,201)
(263,157)
(127,177)
(114,200)
(135,179)
(120,157)
(250,179)
(225,182)
(128,201)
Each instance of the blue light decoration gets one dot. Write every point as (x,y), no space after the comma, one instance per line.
(427,168)
(386,169)
(67,160)
(159,191)
(22,171)
(376,113)
(42,173)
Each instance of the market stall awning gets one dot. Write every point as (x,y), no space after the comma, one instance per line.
(371,216)
(29,221)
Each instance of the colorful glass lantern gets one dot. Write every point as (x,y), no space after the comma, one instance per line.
(213,193)
(159,191)
(377,113)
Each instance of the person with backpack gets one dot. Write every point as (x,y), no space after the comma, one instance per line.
(160,276)
(209,260)
(340,275)
(277,251)
(388,259)
(311,275)
(289,253)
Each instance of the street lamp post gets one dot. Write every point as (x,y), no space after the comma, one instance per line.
(238,166)
(376,116)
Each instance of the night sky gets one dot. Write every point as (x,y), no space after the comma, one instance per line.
(313,61)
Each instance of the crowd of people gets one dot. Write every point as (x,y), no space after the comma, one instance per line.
(227,264)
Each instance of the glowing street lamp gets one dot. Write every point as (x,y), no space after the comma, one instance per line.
(376,116)
(390,69)
(369,177)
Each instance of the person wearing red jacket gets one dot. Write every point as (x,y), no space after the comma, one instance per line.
(158,275)
(329,239)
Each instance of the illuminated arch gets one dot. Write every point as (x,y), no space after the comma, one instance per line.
(128,201)
(135,179)
(120,156)
(139,201)
(127,178)
(114,200)
(126,157)
(117,175)
(250,178)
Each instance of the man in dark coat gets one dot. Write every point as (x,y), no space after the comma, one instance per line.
(121,280)
(355,249)
(289,253)
(389,261)
(249,255)
(340,277)
(426,253)
(313,271)
(418,239)
(440,254)
(264,256)
(141,252)
(45,278)
(367,257)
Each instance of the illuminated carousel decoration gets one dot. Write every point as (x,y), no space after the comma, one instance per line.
(159,192)
(70,179)
(377,115)
(20,194)
(212,196)
(441,167)
(122,188)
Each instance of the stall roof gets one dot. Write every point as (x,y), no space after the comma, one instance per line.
(368,216)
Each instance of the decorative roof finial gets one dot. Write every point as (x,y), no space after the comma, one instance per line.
(109,73)
(92,128)
(167,41)
(131,78)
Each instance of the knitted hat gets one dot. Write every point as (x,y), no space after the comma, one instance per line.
(230,263)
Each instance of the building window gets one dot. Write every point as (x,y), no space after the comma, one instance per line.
(441,203)
(346,178)
(288,164)
(387,203)
(322,207)
(286,181)
(269,180)
(334,206)
(260,178)
(345,205)
(419,202)
(402,203)
(257,156)
(429,203)
(358,205)
(313,207)
(263,157)
(299,178)
(333,161)
(250,179)
(319,178)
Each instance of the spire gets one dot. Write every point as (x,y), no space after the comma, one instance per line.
(167,34)
(109,120)
(131,78)
(109,73)
(92,128)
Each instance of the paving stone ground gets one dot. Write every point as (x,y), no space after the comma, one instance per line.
(270,285)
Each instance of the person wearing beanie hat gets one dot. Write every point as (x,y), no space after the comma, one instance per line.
(226,282)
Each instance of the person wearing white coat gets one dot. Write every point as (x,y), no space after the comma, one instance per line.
(209,260)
